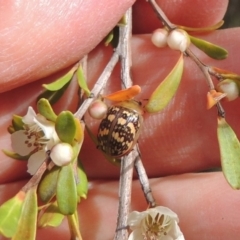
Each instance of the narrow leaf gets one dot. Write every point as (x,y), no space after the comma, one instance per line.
(10,213)
(203,29)
(230,153)
(15,155)
(66,127)
(67,191)
(82,186)
(73,224)
(108,38)
(53,96)
(27,224)
(82,81)
(51,216)
(45,109)
(166,89)
(47,186)
(17,123)
(60,82)
(210,49)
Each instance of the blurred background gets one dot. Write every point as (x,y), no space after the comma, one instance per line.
(232,16)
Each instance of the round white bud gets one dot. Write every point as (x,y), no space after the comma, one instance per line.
(159,37)
(229,87)
(178,39)
(61,154)
(98,109)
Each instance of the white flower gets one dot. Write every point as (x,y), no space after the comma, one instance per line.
(159,37)
(154,224)
(229,87)
(36,140)
(62,154)
(98,109)
(178,39)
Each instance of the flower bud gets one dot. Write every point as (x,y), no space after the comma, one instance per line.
(98,109)
(61,154)
(159,37)
(229,87)
(178,39)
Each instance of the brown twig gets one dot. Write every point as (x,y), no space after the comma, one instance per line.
(127,163)
(144,181)
(204,68)
(99,85)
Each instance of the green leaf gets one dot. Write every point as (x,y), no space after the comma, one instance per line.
(45,109)
(60,82)
(17,123)
(230,153)
(47,186)
(66,127)
(27,224)
(73,224)
(53,96)
(108,38)
(67,191)
(10,212)
(203,29)
(51,216)
(122,21)
(82,186)
(166,89)
(113,37)
(82,81)
(210,49)
(15,155)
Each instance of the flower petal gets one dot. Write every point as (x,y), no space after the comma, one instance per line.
(18,140)
(35,161)
(167,211)
(47,127)
(29,117)
(135,218)
(136,235)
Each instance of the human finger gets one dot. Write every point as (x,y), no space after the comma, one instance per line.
(185,13)
(182,138)
(204,203)
(38,38)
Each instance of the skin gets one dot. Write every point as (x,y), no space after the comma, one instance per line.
(40,42)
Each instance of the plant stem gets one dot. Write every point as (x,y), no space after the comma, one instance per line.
(161,15)
(101,82)
(127,163)
(73,226)
(204,68)
(144,181)
(33,182)
(125,188)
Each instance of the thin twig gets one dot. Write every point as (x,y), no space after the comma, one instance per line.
(125,189)
(204,68)
(33,182)
(99,85)
(161,15)
(127,163)
(144,181)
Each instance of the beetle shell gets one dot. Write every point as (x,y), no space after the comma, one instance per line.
(119,131)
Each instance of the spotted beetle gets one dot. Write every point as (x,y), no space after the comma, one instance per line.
(119,130)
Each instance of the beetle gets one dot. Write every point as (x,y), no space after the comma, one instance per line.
(121,125)
(119,130)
